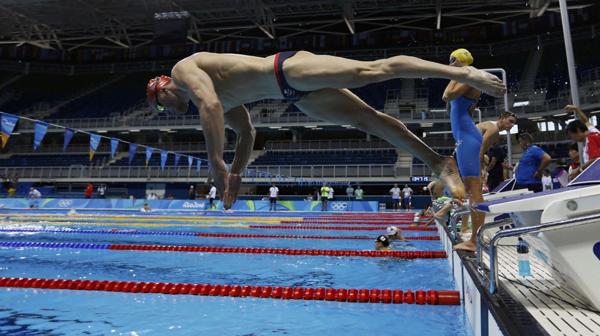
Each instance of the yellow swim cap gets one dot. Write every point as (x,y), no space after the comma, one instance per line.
(463,55)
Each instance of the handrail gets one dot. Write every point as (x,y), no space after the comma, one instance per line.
(465,210)
(480,232)
(556,225)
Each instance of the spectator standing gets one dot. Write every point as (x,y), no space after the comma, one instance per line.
(273,194)
(89,191)
(349,192)
(395,191)
(533,162)
(324,196)
(192,193)
(34,193)
(407,197)
(212,194)
(581,130)
(330,194)
(102,191)
(358,193)
(12,187)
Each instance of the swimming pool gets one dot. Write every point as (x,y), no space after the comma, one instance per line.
(35,311)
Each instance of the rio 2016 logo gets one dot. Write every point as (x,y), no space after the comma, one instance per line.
(65,203)
(339,206)
(194,205)
(597,250)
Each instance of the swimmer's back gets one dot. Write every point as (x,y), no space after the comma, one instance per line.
(237,79)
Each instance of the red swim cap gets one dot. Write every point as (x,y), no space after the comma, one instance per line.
(154,85)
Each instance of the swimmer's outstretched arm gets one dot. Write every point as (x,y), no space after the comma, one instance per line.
(202,93)
(239,120)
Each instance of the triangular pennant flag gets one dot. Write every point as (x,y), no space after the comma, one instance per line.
(69,133)
(94,142)
(114,144)
(39,131)
(177,157)
(190,162)
(8,123)
(149,151)
(163,159)
(198,165)
(132,150)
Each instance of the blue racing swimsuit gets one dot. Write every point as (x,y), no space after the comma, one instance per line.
(468,138)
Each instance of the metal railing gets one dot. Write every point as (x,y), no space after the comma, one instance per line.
(556,225)
(143,172)
(327,145)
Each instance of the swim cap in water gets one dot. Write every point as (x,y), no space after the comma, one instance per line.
(392,230)
(462,55)
(383,240)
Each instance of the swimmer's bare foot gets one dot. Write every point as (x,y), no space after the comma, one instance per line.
(485,82)
(451,178)
(465,246)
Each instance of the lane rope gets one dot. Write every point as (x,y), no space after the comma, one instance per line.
(431,297)
(205,235)
(341,228)
(244,250)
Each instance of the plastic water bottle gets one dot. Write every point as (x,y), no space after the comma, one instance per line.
(523,251)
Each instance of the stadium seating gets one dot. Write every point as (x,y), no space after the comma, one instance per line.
(276,158)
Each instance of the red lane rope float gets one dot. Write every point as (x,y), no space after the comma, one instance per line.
(240,235)
(200,234)
(255,250)
(347,222)
(246,250)
(431,297)
(350,228)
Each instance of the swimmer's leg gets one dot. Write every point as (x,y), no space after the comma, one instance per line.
(473,185)
(344,108)
(306,71)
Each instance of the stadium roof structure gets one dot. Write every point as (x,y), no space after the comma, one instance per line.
(73,24)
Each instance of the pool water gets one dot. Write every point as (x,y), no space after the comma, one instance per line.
(60,312)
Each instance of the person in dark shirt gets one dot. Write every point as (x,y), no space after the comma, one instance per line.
(495,168)
(533,162)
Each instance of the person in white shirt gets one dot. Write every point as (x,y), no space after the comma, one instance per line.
(407,197)
(395,191)
(34,193)
(349,192)
(273,194)
(102,191)
(330,195)
(212,194)
(546,180)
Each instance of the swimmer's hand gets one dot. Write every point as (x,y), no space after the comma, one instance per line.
(234,183)
(220,177)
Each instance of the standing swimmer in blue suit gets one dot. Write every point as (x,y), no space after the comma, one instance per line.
(463,99)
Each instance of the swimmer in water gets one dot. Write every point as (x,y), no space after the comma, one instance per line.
(382,243)
(469,139)
(393,233)
(220,84)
